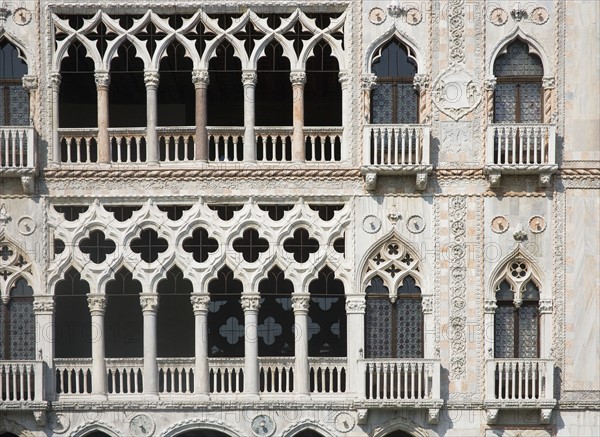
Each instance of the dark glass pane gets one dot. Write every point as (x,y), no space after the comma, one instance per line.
(382,103)
(517,61)
(505,103)
(392,60)
(409,328)
(528,331)
(504,332)
(531,102)
(504,292)
(379,336)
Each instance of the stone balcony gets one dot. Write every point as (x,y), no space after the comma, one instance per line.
(519,384)
(520,149)
(396,149)
(18,154)
(22,387)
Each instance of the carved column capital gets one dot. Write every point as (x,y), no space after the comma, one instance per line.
(298,77)
(249,78)
(421,82)
(546,306)
(5,299)
(54,80)
(43,305)
(30,82)
(489,84)
(102,79)
(96,304)
(200,78)
(548,82)
(149,302)
(368,81)
(355,305)
(490,306)
(151,79)
(200,303)
(300,303)
(251,302)
(427,305)
(344,78)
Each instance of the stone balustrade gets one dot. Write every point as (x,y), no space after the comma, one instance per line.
(21,382)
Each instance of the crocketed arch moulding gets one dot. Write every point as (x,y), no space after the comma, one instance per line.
(518,268)
(534,47)
(201,424)
(91,426)
(390,33)
(400,424)
(308,425)
(17,265)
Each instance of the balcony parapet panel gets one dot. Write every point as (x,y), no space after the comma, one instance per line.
(18,154)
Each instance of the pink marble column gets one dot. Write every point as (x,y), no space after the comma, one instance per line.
(151,79)
(200,79)
(102,84)
(298,80)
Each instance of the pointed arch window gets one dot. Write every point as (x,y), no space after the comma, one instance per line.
(14,100)
(225,316)
(276,316)
(518,95)
(394,324)
(394,99)
(516,322)
(17,324)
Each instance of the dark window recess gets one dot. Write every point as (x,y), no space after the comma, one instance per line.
(323,89)
(200,245)
(97,246)
(127,91)
(72,332)
(17,326)
(123,320)
(149,245)
(250,245)
(175,318)
(276,212)
(516,328)
(326,212)
(176,95)
(174,212)
(339,245)
(122,213)
(274,97)
(59,246)
(225,212)
(301,245)
(394,329)
(71,213)
(225,316)
(327,316)
(14,99)
(275,316)
(225,93)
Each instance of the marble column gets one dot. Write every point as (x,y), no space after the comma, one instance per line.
(201,370)
(489,312)
(55,79)
(489,87)
(200,78)
(369,81)
(251,305)
(421,84)
(30,83)
(355,313)
(298,80)
(548,84)
(97,306)
(43,309)
(102,83)
(345,78)
(151,79)
(149,303)
(300,304)
(249,80)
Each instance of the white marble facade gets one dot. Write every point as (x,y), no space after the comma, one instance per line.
(461,203)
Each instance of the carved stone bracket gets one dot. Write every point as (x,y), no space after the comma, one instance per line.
(370,181)
(491,415)
(362,416)
(251,302)
(40,418)
(433,416)
(28,183)
(545,415)
(421,182)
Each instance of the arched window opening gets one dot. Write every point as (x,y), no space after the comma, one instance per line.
(225,94)
(273,89)
(308,433)
(72,332)
(77,96)
(516,322)
(275,316)
(123,320)
(17,324)
(323,91)
(97,434)
(394,99)
(176,95)
(14,99)
(327,316)
(202,433)
(175,316)
(394,325)
(127,90)
(518,95)
(225,316)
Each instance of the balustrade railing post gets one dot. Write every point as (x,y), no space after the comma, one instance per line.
(103,143)
(201,369)
(201,79)
(300,303)
(97,306)
(251,305)
(151,79)
(149,303)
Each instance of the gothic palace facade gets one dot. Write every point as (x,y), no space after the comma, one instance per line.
(299,218)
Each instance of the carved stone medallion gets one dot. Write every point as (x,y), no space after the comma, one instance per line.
(377,16)
(539,15)
(415,224)
(498,17)
(344,422)
(537,224)
(371,224)
(26,225)
(500,224)
(456,92)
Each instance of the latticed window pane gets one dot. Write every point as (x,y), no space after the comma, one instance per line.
(530,100)
(505,104)
(518,62)
(379,328)
(409,326)
(381,99)
(406,103)
(2,331)
(504,332)
(528,332)
(22,329)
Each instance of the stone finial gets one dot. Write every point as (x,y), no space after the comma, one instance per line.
(520,235)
